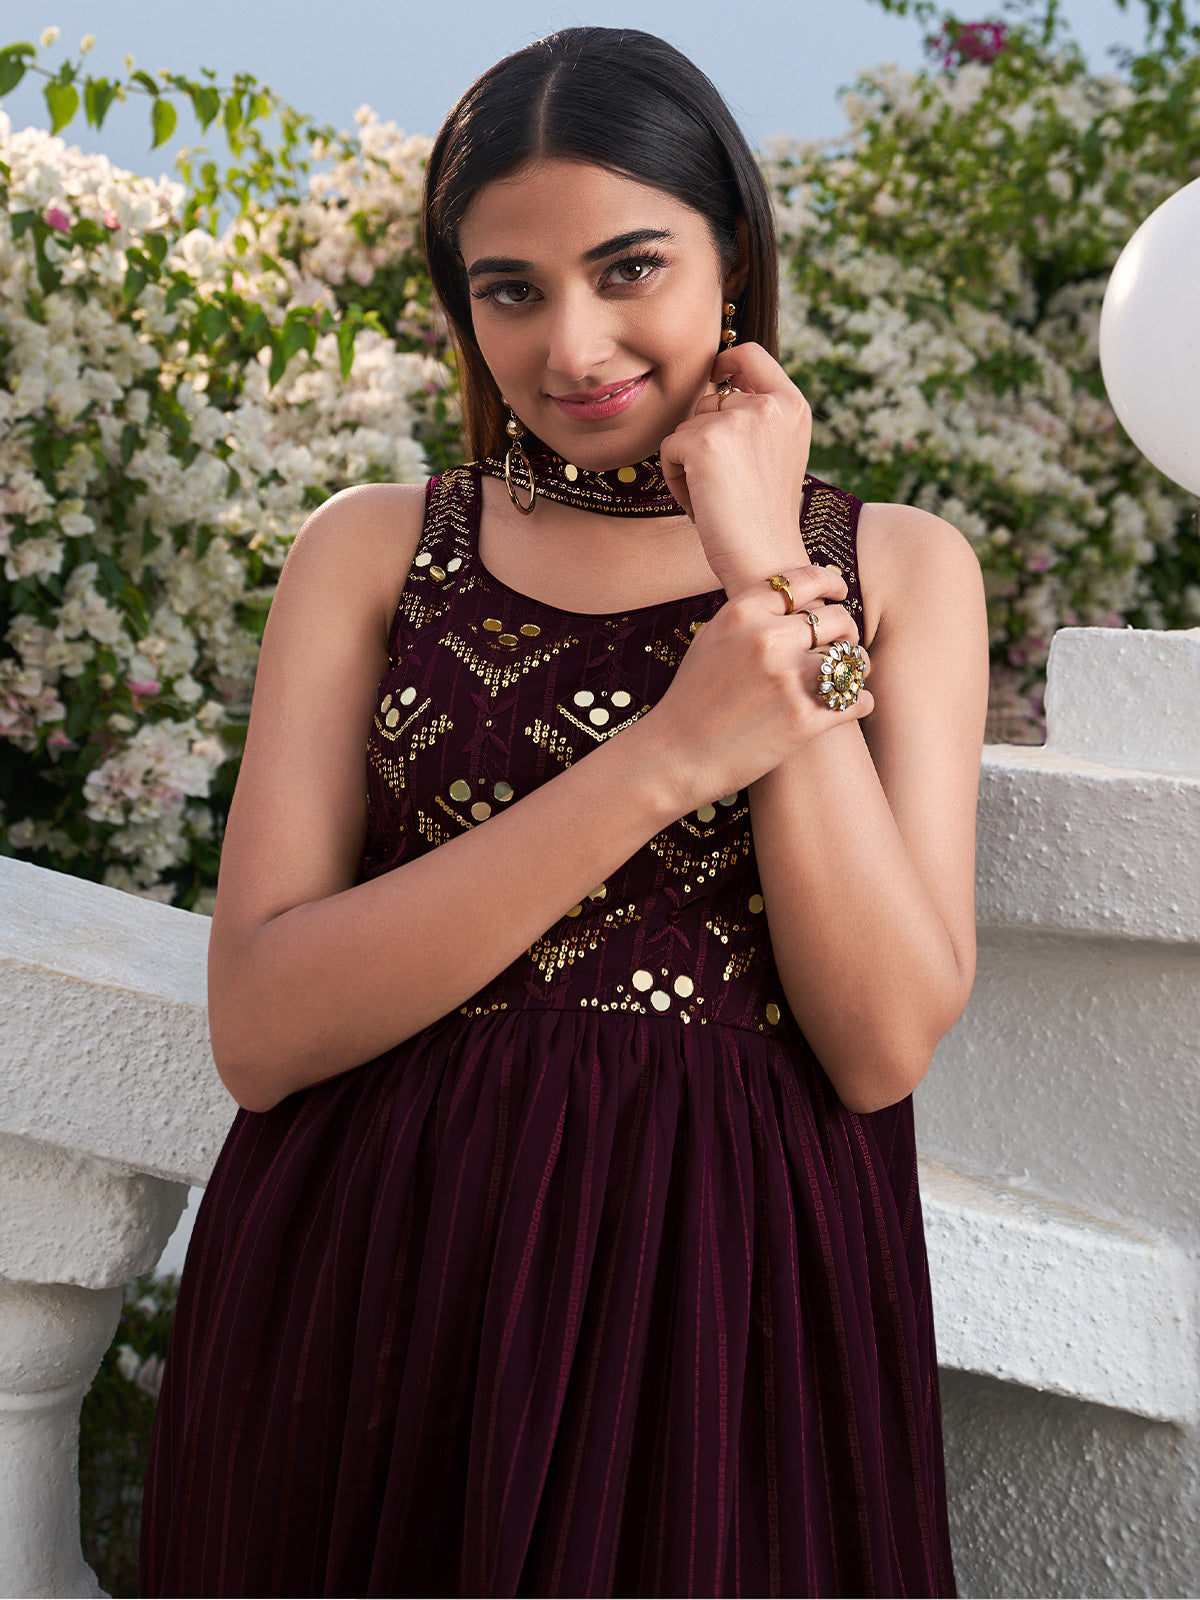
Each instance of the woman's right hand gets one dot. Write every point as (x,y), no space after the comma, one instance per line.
(744,696)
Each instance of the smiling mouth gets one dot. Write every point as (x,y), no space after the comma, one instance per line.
(595,399)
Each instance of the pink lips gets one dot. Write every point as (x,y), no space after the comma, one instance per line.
(609,403)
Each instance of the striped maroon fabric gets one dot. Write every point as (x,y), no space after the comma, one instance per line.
(593,1287)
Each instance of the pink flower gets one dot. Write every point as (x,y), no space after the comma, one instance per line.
(141,688)
(58,219)
(112,221)
(960,42)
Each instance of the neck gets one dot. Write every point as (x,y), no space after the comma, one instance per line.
(633,491)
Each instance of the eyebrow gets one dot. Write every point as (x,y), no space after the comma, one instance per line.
(610,247)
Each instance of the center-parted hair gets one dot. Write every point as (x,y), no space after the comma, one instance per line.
(624,100)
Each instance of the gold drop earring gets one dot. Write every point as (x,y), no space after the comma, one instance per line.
(729,332)
(518,473)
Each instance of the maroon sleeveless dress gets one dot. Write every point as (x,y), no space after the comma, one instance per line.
(594,1286)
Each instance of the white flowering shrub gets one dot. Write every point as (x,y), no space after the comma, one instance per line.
(944,272)
(151,479)
(180,388)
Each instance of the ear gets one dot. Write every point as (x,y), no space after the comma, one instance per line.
(738,275)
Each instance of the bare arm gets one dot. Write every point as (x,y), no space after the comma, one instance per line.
(865,838)
(310,974)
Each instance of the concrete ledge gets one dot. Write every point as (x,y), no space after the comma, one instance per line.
(67,1218)
(1045,1296)
(102,1006)
(1126,697)
(1069,845)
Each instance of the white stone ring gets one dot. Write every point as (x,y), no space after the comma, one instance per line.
(843,673)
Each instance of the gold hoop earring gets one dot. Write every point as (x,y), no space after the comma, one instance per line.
(729,332)
(515,458)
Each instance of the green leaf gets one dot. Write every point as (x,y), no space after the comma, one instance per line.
(98,96)
(62,101)
(345,343)
(233,113)
(13,64)
(206,103)
(163,118)
(147,83)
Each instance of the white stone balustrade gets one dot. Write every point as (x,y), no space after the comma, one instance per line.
(1060,1126)
(109,1107)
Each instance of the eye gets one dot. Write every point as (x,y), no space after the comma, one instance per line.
(511,293)
(634,269)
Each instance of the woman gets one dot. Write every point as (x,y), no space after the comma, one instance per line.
(604,1273)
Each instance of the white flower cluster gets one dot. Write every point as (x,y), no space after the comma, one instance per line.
(974,391)
(141,524)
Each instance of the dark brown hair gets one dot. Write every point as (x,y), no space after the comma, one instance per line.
(624,100)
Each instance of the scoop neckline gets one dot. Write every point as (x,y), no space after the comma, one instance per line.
(545,605)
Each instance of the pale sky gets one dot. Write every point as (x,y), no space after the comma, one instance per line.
(779,63)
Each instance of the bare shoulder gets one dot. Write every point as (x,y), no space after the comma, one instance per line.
(910,557)
(361,542)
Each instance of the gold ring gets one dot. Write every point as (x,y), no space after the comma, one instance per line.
(725,388)
(843,673)
(811,618)
(780,584)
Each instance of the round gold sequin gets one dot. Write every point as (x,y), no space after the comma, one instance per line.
(530,630)
(575,911)
(621,698)
(508,640)
(585,697)
(696,626)
(503,791)
(460,789)
(438,574)
(773,1013)
(423,559)
(386,703)
(706,813)
(570,473)
(392,718)
(598,893)
(598,715)
(642,980)
(684,987)
(627,474)
(756,903)
(727,800)
(492,624)
(660,1000)
(407,696)
(481,811)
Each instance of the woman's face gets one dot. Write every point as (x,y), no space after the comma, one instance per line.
(597,303)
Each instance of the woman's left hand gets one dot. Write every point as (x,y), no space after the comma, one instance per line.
(737,468)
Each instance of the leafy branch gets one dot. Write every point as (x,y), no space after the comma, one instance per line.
(271,142)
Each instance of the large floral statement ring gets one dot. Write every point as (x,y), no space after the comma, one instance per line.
(843,673)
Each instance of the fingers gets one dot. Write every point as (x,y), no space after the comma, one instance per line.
(751,369)
(808,586)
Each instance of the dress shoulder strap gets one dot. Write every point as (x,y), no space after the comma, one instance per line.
(446,549)
(829,528)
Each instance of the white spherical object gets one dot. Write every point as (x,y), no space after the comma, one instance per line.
(1150,337)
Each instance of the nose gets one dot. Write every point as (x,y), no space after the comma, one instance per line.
(580,337)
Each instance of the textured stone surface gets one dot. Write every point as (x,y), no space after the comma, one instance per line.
(1046,1296)
(1051,1497)
(1126,697)
(68,1218)
(51,1340)
(102,1014)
